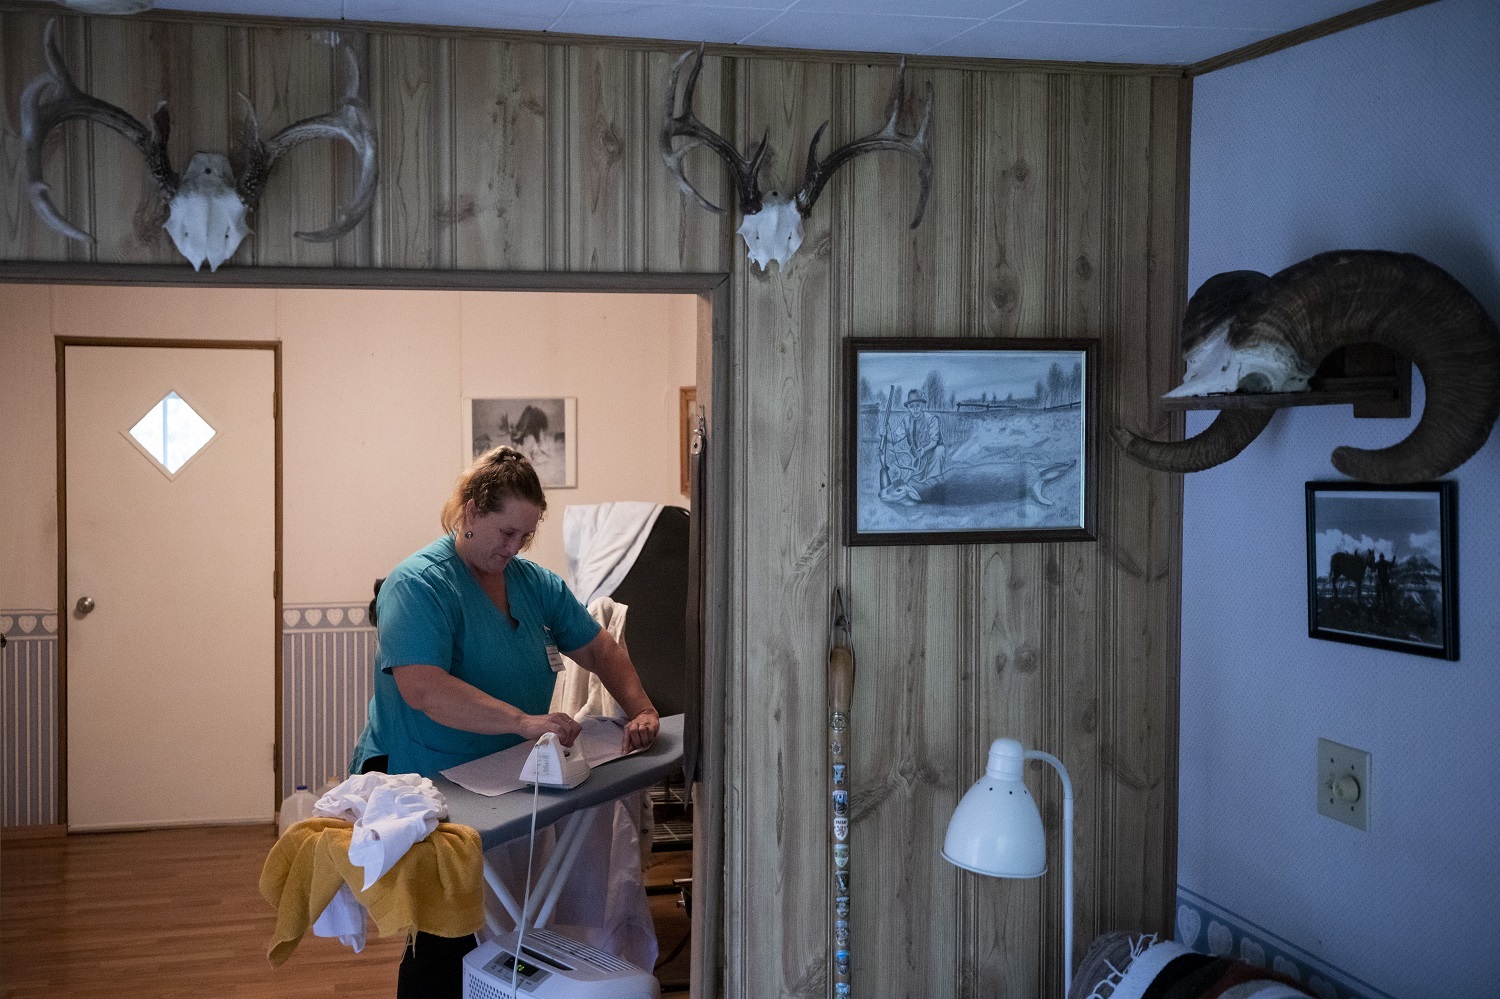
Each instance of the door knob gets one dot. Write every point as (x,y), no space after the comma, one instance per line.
(84,605)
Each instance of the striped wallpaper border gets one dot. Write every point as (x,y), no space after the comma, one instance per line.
(328,661)
(1210,928)
(28,708)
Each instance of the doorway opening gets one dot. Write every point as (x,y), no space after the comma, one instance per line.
(388,415)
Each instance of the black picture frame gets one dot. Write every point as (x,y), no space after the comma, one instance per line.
(1382,566)
(1016,431)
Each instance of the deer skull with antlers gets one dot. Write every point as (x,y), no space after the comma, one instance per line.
(772,223)
(206,206)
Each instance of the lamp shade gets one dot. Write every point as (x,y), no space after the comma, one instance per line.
(996,828)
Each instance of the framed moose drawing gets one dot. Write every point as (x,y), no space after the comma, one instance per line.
(543,429)
(958,441)
(1382,566)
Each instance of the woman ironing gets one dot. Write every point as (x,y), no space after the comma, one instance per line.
(462,670)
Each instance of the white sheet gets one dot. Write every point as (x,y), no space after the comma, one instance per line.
(579,692)
(500,773)
(602,541)
(603,901)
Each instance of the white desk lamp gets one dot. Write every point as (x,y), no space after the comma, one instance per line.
(997,830)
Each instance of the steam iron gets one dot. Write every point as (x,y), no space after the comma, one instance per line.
(551,764)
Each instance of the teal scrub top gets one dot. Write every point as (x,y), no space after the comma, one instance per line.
(432,610)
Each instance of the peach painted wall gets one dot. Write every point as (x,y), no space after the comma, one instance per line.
(372,390)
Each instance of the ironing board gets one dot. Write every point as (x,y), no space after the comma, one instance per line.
(508,816)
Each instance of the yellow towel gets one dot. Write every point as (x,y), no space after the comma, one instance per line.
(435,888)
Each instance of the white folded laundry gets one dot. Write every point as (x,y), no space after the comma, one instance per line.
(344,918)
(390,812)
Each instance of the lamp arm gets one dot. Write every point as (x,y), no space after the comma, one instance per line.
(1062,771)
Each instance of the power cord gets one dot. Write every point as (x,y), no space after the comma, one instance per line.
(515,966)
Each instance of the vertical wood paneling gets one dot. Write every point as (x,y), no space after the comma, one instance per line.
(906,614)
(1012,157)
(412,137)
(904,281)
(1148,548)
(500,154)
(1002,947)
(906,601)
(356,248)
(155,66)
(20,60)
(560,166)
(1057,210)
(294,75)
(779,905)
(677,233)
(1074,666)
(604,104)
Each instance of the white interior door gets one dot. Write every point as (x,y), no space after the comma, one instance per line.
(171,673)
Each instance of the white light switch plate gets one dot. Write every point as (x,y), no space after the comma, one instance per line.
(1336,762)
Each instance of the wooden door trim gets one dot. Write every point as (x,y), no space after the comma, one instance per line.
(406,279)
(60,345)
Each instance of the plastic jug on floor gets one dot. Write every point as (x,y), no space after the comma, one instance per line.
(297,806)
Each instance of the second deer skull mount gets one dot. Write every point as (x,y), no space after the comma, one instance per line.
(772,223)
(206,206)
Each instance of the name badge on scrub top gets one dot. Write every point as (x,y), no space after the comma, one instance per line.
(554,657)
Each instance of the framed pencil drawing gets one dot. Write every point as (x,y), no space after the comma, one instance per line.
(964,441)
(1382,566)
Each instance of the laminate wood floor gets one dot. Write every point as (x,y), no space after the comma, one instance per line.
(172,913)
(160,915)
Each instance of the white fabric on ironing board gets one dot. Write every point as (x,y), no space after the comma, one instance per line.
(580,693)
(602,541)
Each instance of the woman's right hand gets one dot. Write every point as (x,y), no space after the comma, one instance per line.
(558,723)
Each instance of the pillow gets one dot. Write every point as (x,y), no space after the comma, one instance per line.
(1123,965)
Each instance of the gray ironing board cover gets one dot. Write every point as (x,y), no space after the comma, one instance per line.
(508,816)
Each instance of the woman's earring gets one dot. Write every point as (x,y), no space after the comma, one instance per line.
(468,534)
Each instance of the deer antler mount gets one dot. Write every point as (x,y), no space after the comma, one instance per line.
(206,205)
(772,222)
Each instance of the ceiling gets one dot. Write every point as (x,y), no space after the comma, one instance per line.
(1170,32)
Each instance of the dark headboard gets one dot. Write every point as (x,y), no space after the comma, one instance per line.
(655,591)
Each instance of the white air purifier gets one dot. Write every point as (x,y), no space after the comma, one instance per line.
(551,966)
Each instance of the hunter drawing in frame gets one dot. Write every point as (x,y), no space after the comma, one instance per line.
(1382,566)
(969,441)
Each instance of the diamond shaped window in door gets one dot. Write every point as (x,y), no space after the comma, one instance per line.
(172,433)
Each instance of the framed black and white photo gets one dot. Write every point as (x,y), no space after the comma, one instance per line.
(540,428)
(959,441)
(1382,566)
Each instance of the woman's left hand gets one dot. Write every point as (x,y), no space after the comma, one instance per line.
(640,731)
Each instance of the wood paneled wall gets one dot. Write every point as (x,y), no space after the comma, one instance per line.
(1058,208)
